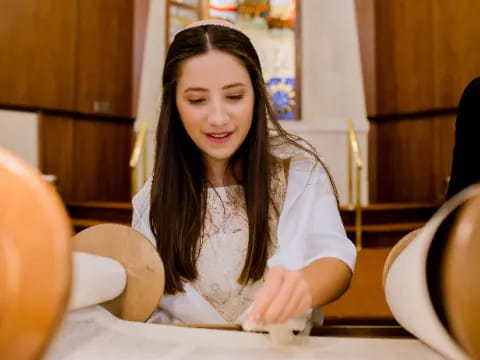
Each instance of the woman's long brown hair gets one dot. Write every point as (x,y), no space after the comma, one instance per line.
(179,185)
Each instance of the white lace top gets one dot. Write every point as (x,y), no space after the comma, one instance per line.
(224,247)
(311,229)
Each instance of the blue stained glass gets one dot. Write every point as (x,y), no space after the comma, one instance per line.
(283,95)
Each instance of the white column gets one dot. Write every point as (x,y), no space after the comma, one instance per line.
(332,87)
(151,78)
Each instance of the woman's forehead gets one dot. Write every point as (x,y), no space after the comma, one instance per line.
(213,68)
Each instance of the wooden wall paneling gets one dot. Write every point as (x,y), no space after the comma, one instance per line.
(141,8)
(55,150)
(37,47)
(444,135)
(405,160)
(457,48)
(404,56)
(101,151)
(104,57)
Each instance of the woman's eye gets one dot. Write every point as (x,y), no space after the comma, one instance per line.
(196,101)
(235,97)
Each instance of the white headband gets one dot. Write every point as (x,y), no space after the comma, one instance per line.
(214,22)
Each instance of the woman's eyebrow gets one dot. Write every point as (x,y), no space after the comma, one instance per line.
(229,86)
(194,89)
(234,85)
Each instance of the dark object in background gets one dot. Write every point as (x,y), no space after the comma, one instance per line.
(466,154)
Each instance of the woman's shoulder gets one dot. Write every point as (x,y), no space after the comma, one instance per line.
(141,200)
(292,148)
(303,162)
(141,212)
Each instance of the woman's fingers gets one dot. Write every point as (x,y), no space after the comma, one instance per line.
(272,285)
(300,301)
(281,299)
(284,294)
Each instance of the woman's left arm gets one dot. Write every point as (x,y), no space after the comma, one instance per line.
(327,279)
(315,225)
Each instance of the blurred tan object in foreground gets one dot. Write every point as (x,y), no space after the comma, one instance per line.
(431,278)
(35,260)
(113,265)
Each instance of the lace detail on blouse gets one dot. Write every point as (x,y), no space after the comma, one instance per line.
(224,247)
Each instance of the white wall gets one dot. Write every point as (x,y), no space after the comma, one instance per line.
(19,134)
(152,68)
(332,85)
(151,80)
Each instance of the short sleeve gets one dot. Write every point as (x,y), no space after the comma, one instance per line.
(324,232)
(141,212)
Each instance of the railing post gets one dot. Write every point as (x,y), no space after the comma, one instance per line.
(358,211)
(353,151)
(137,152)
(350,174)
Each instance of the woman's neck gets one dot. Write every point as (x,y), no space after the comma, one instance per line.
(220,174)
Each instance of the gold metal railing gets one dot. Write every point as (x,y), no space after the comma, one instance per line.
(137,153)
(355,156)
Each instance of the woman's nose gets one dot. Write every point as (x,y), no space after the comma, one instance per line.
(218,115)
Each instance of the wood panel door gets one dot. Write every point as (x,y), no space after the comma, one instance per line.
(55,150)
(417,56)
(413,159)
(404,56)
(457,48)
(100,154)
(417,59)
(37,47)
(88,155)
(104,57)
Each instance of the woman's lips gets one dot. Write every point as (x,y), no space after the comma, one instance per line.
(219,137)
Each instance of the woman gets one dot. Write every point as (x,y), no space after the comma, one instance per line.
(245,218)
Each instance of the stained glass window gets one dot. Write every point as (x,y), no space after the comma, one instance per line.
(272,26)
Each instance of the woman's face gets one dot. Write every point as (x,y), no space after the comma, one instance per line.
(215,99)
